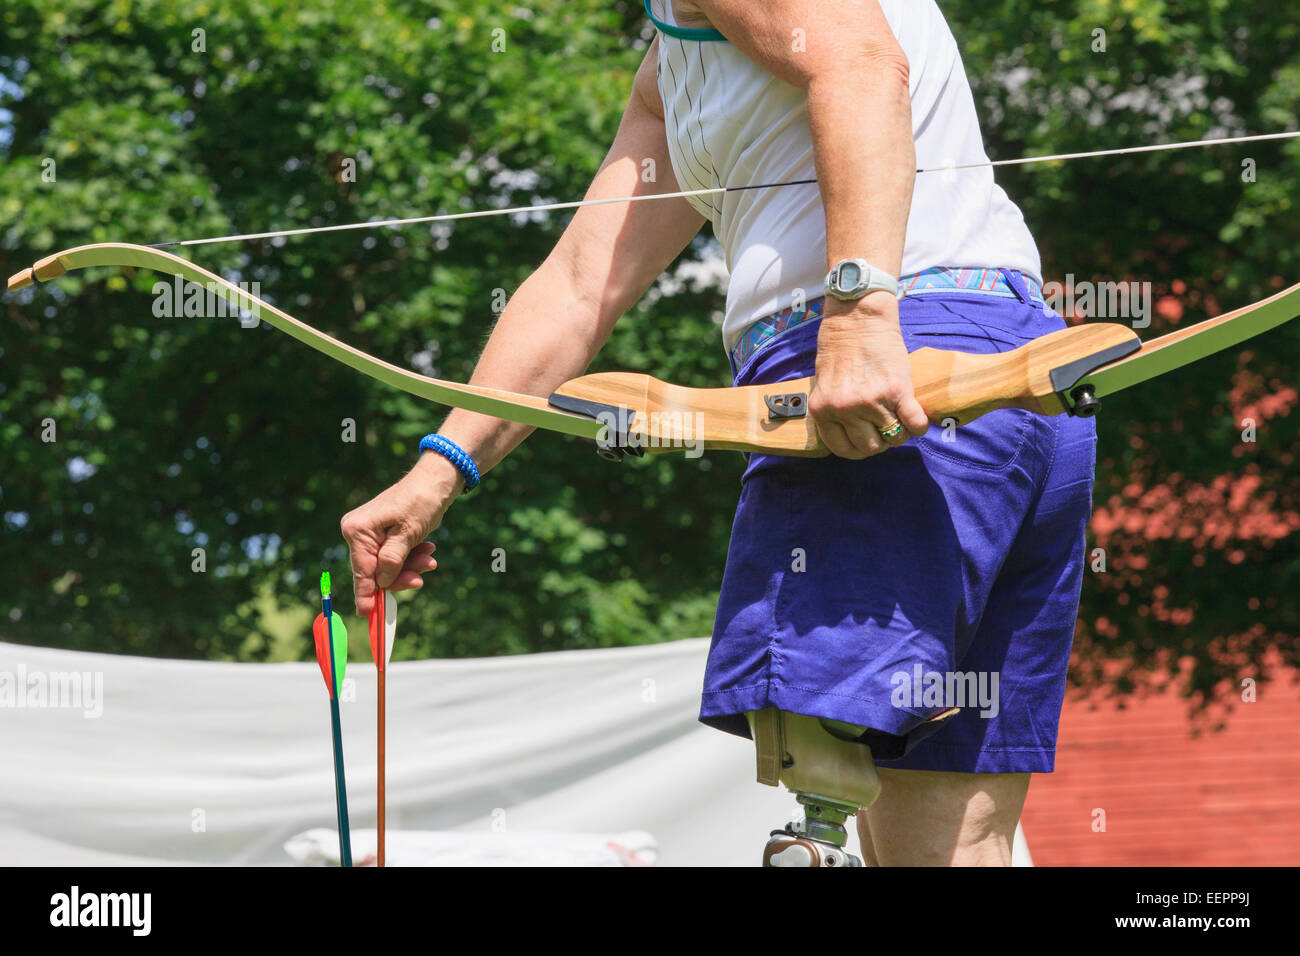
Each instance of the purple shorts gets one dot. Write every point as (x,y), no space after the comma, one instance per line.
(939,573)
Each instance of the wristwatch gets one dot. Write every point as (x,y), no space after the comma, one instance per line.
(853,278)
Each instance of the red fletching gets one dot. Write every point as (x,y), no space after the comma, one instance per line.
(321,631)
(377,629)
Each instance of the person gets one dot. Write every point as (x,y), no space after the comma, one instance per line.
(913,549)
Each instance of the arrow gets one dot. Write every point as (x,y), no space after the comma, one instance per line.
(383,631)
(332,654)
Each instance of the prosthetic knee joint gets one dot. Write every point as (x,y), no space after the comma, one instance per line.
(828,766)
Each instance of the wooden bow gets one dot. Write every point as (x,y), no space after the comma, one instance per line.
(1065,372)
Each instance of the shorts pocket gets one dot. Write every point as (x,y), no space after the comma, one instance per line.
(992,443)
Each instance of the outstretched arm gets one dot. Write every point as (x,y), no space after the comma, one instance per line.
(553,326)
(604,262)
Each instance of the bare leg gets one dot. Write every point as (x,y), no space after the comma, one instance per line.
(925,818)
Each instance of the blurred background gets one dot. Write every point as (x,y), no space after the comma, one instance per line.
(152,121)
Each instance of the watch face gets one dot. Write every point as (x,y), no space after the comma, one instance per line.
(850,276)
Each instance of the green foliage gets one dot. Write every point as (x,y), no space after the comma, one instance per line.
(176,435)
(1203,568)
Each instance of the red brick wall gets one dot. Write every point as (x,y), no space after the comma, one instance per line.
(1171,797)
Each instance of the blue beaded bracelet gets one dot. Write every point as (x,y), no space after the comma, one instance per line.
(456,455)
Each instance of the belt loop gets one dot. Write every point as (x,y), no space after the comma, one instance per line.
(1017,283)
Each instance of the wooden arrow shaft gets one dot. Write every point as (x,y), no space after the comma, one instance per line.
(382,694)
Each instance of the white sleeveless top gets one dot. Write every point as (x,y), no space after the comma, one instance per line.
(731,123)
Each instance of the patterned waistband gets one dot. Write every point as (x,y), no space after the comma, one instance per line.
(940,279)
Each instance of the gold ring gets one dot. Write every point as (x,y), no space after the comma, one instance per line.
(892,432)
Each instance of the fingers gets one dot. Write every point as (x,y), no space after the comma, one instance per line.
(361,557)
(386,536)
(398,549)
(418,562)
(422,550)
(382,556)
(857,431)
(408,581)
(853,429)
(913,416)
(850,436)
(835,438)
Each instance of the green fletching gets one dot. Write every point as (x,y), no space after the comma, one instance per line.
(331,640)
(340,634)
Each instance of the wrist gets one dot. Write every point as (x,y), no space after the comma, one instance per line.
(458,457)
(438,475)
(851,280)
(872,307)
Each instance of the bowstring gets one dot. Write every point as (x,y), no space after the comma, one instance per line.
(713,191)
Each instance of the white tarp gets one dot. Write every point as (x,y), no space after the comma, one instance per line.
(577,757)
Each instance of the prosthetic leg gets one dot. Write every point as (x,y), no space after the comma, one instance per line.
(828,766)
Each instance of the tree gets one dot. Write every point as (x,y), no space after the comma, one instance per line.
(176,120)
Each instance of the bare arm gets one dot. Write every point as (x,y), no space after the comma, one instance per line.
(552,327)
(604,262)
(859,111)
(860,118)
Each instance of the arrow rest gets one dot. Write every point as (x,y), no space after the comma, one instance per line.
(616,442)
(789,405)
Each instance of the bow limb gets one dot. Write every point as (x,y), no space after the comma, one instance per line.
(527,409)
(1187,345)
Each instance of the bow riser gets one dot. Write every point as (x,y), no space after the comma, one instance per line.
(952,387)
